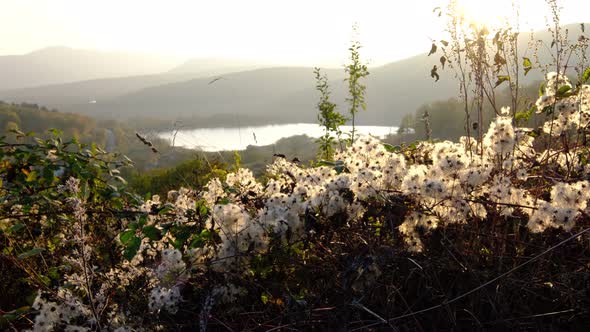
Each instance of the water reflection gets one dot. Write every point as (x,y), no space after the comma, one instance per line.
(220,139)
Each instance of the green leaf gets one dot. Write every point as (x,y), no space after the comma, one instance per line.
(339,166)
(181,234)
(132,248)
(583,158)
(32,176)
(264,298)
(13,315)
(133,225)
(200,240)
(142,220)
(197,242)
(527,64)
(586,75)
(53,273)
(45,280)
(502,79)
(165,210)
(547,110)
(391,148)
(151,232)
(201,208)
(116,202)
(165,226)
(32,252)
(324,163)
(525,115)
(534,133)
(542,89)
(55,132)
(526,71)
(561,92)
(127,236)
(16,227)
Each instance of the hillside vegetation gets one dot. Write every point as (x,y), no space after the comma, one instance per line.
(114,136)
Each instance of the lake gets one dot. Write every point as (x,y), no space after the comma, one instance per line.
(224,139)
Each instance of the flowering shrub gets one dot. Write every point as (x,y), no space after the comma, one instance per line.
(308,240)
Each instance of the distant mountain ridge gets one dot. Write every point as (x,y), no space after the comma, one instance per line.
(60,64)
(280,95)
(201,88)
(216,66)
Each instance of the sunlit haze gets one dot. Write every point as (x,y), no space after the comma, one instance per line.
(531,13)
(302,32)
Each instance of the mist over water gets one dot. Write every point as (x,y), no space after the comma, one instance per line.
(224,139)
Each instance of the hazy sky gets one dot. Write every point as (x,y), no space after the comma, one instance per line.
(306,32)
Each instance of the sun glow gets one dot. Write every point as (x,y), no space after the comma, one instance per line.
(485,13)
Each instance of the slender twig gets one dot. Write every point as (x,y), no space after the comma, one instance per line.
(357,304)
(222,324)
(532,316)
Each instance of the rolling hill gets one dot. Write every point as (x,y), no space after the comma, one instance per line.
(280,95)
(264,95)
(74,96)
